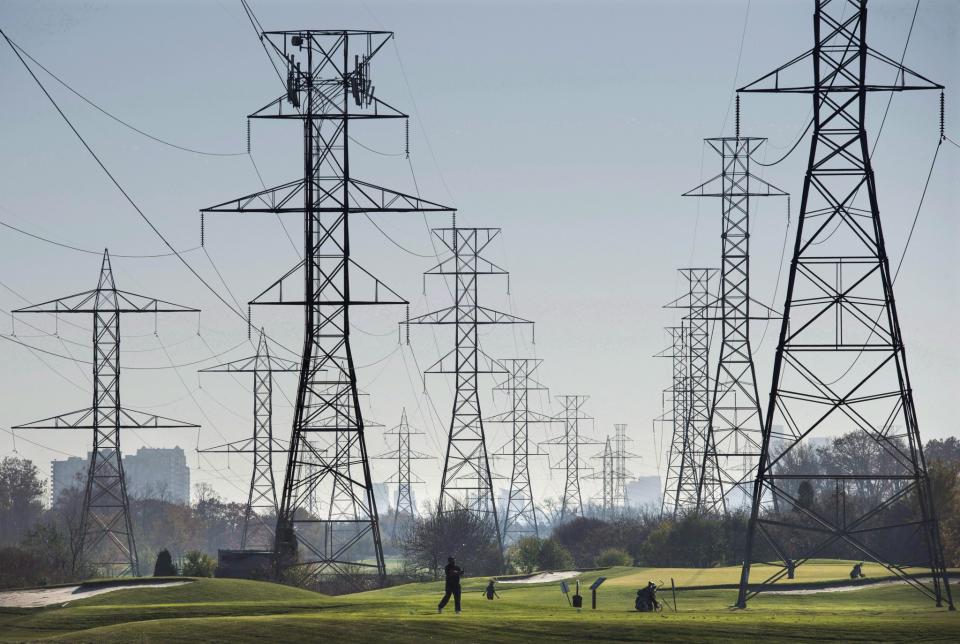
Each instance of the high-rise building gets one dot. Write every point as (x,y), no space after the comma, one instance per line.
(151,473)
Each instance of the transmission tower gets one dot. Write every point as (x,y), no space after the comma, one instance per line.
(262,497)
(696,306)
(467,481)
(606,478)
(619,475)
(572,503)
(328,86)
(735,428)
(106,538)
(680,484)
(403,476)
(840,363)
(520,518)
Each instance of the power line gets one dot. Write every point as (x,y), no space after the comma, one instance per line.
(87,250)
(117,118)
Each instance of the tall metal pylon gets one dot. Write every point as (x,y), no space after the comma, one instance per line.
(735,428)
(467,481)
(606,478)
(696,306)
(403,477)
(840,364)
(680,483)
(571,505)
(262,498)
(328,87)
(520,517)
(620,474)
(105,538)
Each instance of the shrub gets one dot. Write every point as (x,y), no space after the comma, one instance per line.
(164,566)
(198,564)
(614,557)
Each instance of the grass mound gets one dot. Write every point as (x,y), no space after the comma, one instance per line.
(241,611)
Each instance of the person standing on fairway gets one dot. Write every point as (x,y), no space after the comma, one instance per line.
(453,573)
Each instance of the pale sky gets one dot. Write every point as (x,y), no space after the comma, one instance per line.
(574,126)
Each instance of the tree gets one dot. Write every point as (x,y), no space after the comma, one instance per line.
(21,498)
(946,449)
(524,555)
(198,564)
(456,533)
(553,556)
(164,566)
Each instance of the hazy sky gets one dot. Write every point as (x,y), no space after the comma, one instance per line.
(574,126)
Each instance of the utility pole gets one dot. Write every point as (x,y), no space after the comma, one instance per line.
(403,477)
(262,497)
(840,365)
(680,483)
(520,518)
(735,428)
(466,480)
(572,503)
(328,88)
(696,306)
(106,538)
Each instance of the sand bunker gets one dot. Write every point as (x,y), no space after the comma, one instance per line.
(838,589)
(37,598)
(542,577)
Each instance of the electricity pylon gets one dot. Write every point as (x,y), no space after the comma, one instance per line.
(262,497)
(520,518)
(403,477)
(466,480)
(735,429)
(328,87)
(606,478)
(695,304)
(619,474)
(571,505)
(680,483)
(840,363)
(105,539)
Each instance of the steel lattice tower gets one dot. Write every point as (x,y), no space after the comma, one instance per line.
(106,538)
(619,475)
(735,428)
(262,497)
(328,88)
(606,477)
(520,518)
(840,363)
(680,484)
(467,481)
(572,503)
(403,477)
(696,306)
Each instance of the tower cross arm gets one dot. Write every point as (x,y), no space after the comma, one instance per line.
(784,79)
(86,302)
(86,419)
(714,187)
(328,197)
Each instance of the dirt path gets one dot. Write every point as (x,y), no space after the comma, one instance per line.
(37,598)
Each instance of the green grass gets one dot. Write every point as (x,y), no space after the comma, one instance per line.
(241,611)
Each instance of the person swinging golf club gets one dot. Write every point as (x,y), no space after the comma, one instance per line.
(452,572)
